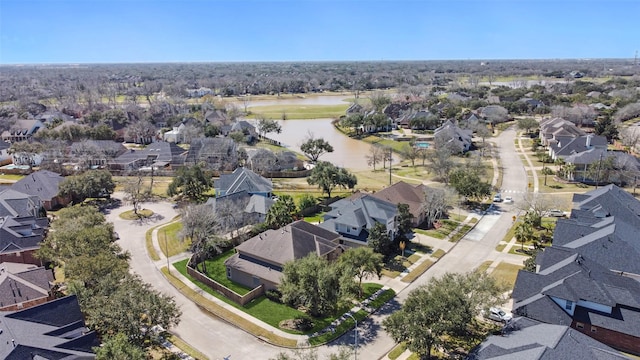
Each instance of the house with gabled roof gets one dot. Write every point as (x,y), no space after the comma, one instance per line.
(404,193)
(628,166)
(449,134)
(5,157)
(260,260)
(243,179)
(24,285)
(561,147)
(552,129)
(22,130)
(525,338)
(52,330)
(218,154)
(44,184)
(20,238)
(355,216)
(157,155)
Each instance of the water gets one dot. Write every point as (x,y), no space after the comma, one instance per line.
(423,145)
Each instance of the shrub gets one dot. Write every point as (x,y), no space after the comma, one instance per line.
(274,295)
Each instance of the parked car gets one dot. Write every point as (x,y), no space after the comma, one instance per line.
(497,314)
(497,198)
(508,200)
(556,213)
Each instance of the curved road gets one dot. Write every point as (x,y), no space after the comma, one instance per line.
(217,339)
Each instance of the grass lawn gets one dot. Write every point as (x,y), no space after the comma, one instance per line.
(419,270)
(148,242)
(506,273)
(299,112)
(500,247)
(131,215)
(218,311)
(169,241)
(397,351)
(438,254)
(447,227)
(462,232)
(160,183)
(190,350)
(484,266)
(10,177)
(217,271)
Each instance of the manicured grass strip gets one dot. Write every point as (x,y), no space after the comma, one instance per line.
(168,240)
(130,215)
(461,233)
(438,254)
(500,247)
(299,112)
(344,326)
(419,270)
(484,266)
(190,350)
(413,258)
(397,351)
(148,242)
(390,273)
(382,299)
(217,271)
(230,317)
(473,220)
(447,227)
(506,273)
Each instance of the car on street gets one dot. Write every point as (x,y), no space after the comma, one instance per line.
(497,197)
(508,200)
(497,314)
(556,213)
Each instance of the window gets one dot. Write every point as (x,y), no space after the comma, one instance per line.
(594,329)
(568,305)
(580,325)
(229,273)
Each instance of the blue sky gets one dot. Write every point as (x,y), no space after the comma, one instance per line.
(101,31)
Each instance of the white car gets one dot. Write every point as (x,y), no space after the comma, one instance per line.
(497,314)
(497,198)
(556,213)
(508,200)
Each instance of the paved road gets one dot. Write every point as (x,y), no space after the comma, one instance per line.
(218,339)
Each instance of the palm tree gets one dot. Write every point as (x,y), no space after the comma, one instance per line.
(523,233)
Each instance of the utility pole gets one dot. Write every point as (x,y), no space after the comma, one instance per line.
(598,173)
(390,161)
(166,249)
(355,347)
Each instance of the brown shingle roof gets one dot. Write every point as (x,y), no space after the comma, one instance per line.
(404,193)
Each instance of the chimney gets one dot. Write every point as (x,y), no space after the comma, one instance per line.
(589,140)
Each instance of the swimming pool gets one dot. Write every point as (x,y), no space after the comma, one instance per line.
(422,144)
(14,166)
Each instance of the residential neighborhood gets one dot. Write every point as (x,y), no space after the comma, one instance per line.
(227,228)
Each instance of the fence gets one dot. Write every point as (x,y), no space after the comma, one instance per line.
(223,290)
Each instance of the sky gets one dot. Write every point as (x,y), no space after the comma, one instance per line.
(127,31)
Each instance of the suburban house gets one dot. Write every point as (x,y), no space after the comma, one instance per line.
(24,285)
(96,153)
(219,154)
(623,161)
(555,128)
(22,227)
(22,130)
(449,134)
(5,157)
(157,155)
(199,92)
(175,134)
(242,126)
(52,330)
(260,160)
(404,193)
(43,184)
(243,179)
(260,260)
(525,338)
(354,216)
(562,146)
(589,279)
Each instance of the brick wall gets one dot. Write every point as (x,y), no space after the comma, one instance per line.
(616,340)
(225,291)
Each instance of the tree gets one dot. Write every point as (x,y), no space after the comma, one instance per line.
(379,100)
(469,184)
(281,213)
(404,219)
(361,262)
(546,171)
(530,264)
(440,312)
(200,225)
(374,156)
(314,148)
(313,283)
(483,132)
(410,152)
(266,126)
(94,183)
(434,205)
(328,176)
(440,162)
(118,347)
(190,182)
(523,233)
(527,124)
(312,354)
(607,128)
(379,240)
(136,192)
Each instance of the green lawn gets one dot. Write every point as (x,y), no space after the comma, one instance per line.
(11,177)
(462,232)
(397,351)
(506,274)
(447,227)
(131,215)
(484,266)
(218,272)
(419,270)
(438,254)
(299,112)
(148,242)
(169,241)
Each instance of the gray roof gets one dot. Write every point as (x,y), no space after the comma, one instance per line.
(159,152)
(450,133)
(17,204)
(566,145)
(243,179)
(21,234)
(42,183)
(526,339)
(361,212)
(4,145)
(23,282)
(53,330)
(259,204)
(291,242)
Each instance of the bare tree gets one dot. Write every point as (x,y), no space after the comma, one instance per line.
(199,225)
(374,156)
(630,137)
(135,191)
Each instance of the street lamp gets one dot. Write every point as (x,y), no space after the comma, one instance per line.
(355,348)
